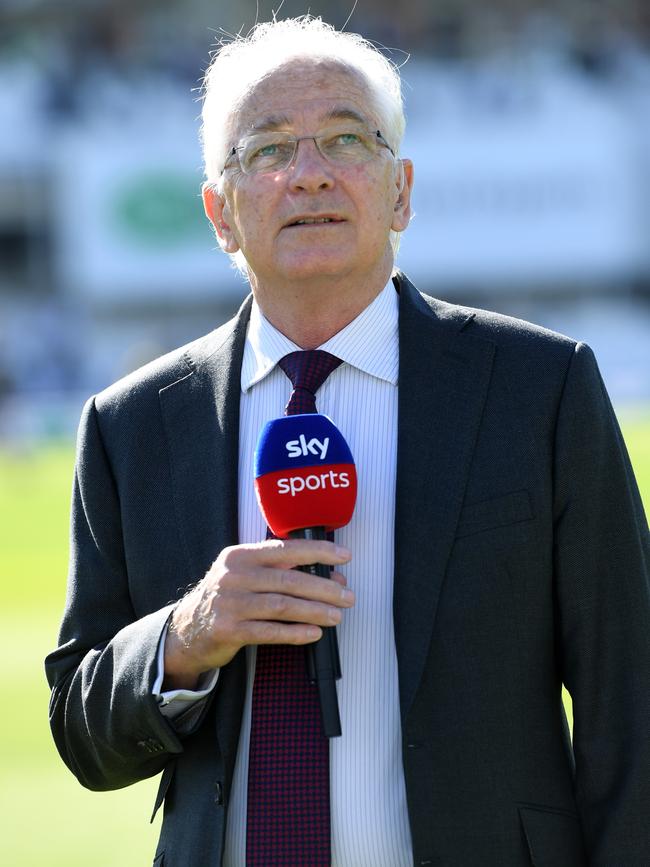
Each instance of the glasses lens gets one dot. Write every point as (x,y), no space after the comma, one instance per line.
(266,153)
(273,152)
(348,146)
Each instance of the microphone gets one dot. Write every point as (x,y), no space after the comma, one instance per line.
(306,486)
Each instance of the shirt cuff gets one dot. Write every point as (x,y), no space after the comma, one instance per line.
(174,702)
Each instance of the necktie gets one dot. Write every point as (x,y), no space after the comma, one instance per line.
(288,813)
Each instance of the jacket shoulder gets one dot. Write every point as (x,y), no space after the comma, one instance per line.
(145,383)
(499,328)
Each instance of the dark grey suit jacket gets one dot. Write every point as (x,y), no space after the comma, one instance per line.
(521,563)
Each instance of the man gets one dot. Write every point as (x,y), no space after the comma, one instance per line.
(498,548)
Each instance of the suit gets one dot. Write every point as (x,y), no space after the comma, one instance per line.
(521,562)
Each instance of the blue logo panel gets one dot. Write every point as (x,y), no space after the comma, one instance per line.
(309,440)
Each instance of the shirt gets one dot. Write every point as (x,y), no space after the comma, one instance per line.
(369,815)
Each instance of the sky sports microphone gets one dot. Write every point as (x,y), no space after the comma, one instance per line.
(306,486)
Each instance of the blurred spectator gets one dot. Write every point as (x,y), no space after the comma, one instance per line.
(80,75)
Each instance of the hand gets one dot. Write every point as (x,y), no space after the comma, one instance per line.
(253,595)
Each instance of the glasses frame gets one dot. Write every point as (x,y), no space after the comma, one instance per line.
(296,141)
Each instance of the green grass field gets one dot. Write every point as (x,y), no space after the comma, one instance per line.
(47,817)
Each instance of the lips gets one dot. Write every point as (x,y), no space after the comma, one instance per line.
(313,220)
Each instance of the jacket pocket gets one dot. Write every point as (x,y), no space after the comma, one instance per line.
(496,512)
(553,837)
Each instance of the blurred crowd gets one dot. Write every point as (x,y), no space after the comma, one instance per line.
(64,60)
(104,63)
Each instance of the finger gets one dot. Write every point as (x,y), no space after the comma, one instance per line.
(287,609)
(287,553)
(274,632)
(291,582)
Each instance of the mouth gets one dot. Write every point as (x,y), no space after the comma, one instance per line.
(313,221)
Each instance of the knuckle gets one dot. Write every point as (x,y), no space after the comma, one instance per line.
(227,554)
(270,632)
(335,615)
(334,591)
(322,552)
(277,603)
(228,580)
(303,634)
(295,547)
(289,579)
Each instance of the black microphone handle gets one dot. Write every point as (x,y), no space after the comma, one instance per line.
(322,656)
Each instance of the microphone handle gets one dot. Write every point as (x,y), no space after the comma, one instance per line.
(322,656)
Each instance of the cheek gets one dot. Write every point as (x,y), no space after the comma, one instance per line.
(378,189)
(258,208)
(249,220)
(376,198)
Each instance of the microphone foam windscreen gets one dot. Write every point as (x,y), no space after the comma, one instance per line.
(304,474)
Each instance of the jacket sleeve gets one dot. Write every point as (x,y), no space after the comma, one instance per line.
(105,720)
(601,559)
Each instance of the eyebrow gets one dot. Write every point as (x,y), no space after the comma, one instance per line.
(270,123)
(274,122)
(348,114)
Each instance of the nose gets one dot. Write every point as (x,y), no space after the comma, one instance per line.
(310,171)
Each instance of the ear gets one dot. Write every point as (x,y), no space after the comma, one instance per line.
(217,212)
(404,184)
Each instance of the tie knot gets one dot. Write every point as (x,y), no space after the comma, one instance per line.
(307,371)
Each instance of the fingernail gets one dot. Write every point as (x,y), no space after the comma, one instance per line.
(344,553)
(347,595)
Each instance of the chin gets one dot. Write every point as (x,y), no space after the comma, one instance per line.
(317,265)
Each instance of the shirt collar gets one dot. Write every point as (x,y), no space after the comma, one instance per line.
(368,343)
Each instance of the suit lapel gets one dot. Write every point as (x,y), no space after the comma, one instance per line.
(443,381)
(201,417)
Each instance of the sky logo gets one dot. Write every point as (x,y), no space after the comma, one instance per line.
(301,447)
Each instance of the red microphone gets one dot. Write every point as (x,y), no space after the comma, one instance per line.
(306,486)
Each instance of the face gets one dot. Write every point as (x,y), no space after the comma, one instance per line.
(259,213)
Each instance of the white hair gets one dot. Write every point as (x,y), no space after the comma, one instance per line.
(243,61)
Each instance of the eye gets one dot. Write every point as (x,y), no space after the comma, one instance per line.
(345,145)
(268,150)
(265,154)
(349,138)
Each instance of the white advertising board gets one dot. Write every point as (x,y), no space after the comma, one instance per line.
(546,190)
(130,223)
(533,183)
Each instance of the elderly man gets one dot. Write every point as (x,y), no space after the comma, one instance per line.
(498,548)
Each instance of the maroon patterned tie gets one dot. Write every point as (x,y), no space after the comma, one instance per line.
(288,819)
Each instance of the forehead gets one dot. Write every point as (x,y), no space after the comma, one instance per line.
(303,93)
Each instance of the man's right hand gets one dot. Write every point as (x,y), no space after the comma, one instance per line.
(253,595)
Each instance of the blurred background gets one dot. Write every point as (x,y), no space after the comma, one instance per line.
(529,126)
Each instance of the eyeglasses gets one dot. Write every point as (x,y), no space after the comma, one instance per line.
(275,151)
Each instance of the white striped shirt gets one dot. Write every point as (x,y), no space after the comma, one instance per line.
(370,826)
